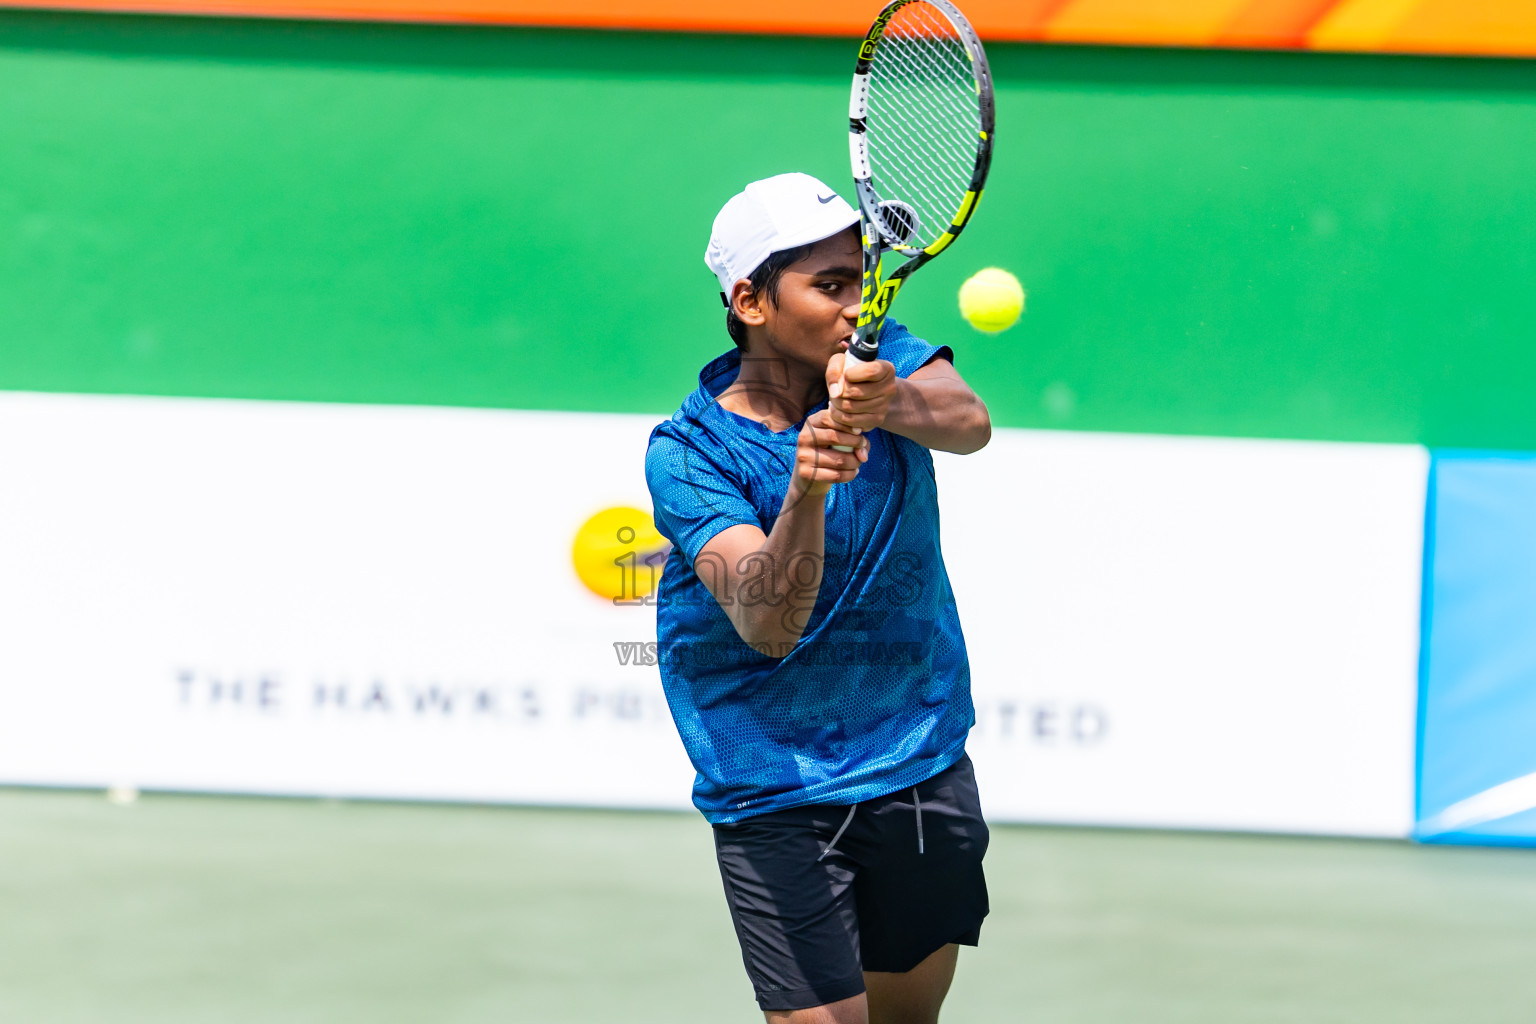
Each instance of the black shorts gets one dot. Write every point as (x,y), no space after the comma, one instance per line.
(821,894)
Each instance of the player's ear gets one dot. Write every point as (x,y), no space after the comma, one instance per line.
(746,305)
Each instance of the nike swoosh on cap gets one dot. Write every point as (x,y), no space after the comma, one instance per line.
(824,200)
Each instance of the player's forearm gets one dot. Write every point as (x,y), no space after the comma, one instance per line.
(775,587)
(940,413)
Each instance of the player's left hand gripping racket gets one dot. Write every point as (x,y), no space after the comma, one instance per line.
(920,125)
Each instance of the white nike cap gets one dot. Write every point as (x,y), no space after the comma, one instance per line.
(781,212)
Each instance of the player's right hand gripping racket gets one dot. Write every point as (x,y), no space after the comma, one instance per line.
(920,125)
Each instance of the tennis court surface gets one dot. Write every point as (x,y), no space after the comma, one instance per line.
(181,908)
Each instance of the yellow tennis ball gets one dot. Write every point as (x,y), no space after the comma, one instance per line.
(618,554)
(991,300)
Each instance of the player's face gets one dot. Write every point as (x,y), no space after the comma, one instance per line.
(818,303)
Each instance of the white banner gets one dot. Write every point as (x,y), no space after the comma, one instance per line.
(381,601)
(1191,632)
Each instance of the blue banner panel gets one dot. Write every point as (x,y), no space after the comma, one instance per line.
(1477,721)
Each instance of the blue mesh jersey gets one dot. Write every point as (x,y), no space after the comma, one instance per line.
(876,696)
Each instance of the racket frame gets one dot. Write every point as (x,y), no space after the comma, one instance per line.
(878,294)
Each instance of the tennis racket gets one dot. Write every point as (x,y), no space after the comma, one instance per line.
(920,123)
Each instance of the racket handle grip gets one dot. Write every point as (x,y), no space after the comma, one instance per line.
(852,356)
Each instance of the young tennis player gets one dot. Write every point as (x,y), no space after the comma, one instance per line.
(810,647)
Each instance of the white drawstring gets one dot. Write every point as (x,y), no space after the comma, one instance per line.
(839,834)
(917,807)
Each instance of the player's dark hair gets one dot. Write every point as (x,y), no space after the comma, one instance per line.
(764,281)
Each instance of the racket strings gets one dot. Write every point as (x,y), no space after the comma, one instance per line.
(919,116)
(941,103)
(920,132)
(933,149)
(924,118)
(945,67)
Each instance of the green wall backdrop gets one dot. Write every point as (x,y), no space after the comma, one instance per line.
(1281,245)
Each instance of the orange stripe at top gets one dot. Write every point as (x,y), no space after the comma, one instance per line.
(993,19)
(1011,19)
(1426,26)
(1359,24)
(1183,23)
(1274,23)
(799,17)
(1467,27)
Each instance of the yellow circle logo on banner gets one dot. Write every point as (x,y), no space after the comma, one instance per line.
(619,553)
